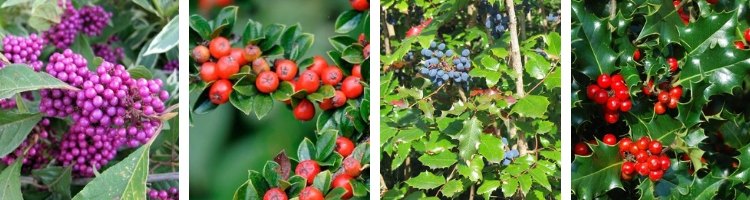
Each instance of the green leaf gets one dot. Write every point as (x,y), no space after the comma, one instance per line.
(472,169)
(140,72)
(353,54)
(425,181)
(253,32)
(19,78)
(597,173)
(326,143)
(166,39)
(270,173)
(491,148)
(10,182)
(242,102)
(324,92)
(57,178)
(14,128)
(10,3)
(341,42)
(468,138)
(262,105)
(124,180)
(488,186)
(322,181)
(347,21)
(592,50)
(226,17)
(147,6)
(531,106)
(440,160)
(402,151)
(306,150)
(662,23)
(451,188)
(553,43)
(200,26)
(284,92)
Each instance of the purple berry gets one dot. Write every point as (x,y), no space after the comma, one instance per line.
(64,33)
(95,19)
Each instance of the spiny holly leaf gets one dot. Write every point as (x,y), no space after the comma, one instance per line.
(743,170)
(662,127)
(592,50)
(706,187)
(646,188)
(660,22)
(452,188)
(426,180)
(675,181)
(597,173)
(468,138)
(708,32)
(691,112)
(723,69)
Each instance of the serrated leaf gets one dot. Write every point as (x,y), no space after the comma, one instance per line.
(597,173)
(440,160)
(426,180)
(468,138)
(531,106)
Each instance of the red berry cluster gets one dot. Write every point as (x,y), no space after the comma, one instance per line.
(741,44)
(613,94)
(667,96)
(644,156)
(308,169)
(684,14)
(220,62)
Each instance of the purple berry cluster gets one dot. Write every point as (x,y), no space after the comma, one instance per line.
(7,103)
(95,19)
(172,66)
(70,68)
(87,147)
(170,194)
(64,33)
(108,53)
(37,143)
(24,50)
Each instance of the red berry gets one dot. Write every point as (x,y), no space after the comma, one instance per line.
(319,65)
(200,54)
(664,162)
(220,91)
(663,97)
(654,163)
(713,2)
(617,78)
(352,167)
(626,105)
(659,108)
(360,5)
(609,139)
(601,97)
(647,88)
(304,111)
(208,72)
(626,177)
(611,117)
(332,75)
(656,175)
(344,146)
(338,99)
(634,149)
(308,169)
(641,157)
(351,87)
(673,66)
(326,104)
(655,147)
(267,82)
(308,81)
(628,167)
(747,34)
(676,92)
(637,55)
(581,149)
(739,45)
(673,103)
(238,55)
(343,181)
(260,65)
(356,71)
(603,81)
(622,94)
(226,67)
(251,52)
(219,47)
(625,144)
(286,69)
(592,90)
(311,193)
(613,104)
(642,168)
(275,194)
(643,143)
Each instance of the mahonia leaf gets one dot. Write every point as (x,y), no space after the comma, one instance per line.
(468,138)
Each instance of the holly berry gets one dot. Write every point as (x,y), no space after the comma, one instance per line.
(308,169)
(675,92)
(352,167)
(637,55)
(626,177)
(220,91)
(226,67)
(659,108)
(628,167)
(304,111)
(343,181)
(613,104)
(712,2)
(673,103)
(611,117)
(609,139)
(260,65)
(747,35)
(663,97)
(208,72)
(655,147)
(647,88)
(286,69)
(351,87)
(601,97)
(360,5)
(653,163)
(219,47)
(308,81)
(319,65)
(739,45)
(200,54)
(581,149)
(643,143)
(275,194)
(625,144)
(655,175)
(592,90)
(664,162)
(356,71)
(603,81)
(626,105)
(672,64)
(251,52)
(267,82)
(332,75)
(338,99)
(311,193)
(344,146)
(642,168)
(641,157)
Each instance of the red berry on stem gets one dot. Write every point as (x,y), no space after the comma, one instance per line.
(739,45)
(326,104)
(208,72)
(332,75)
(338,99)
(581,149)
(609,139)
(351,87)
(626,177)
(601,97)
(603,81)
(260,65)
(356,71)
(613,104)
(307,169)
(656,175)
(747,35)
(673,66)
(659,108)
(655,147)
(643,143)
(267,82)
(319,65)
(611,117)
(286,69)
(220,91)
(311,193)
(625,144)
(200,54)
(343,181)
(654,163)
(238,55)
(673,103)
(663,97)
(664,162)
(592,90)
(647,88)
(626,105)
(637,55)
(251,52)
(226,67)
(219,47)
(641,156)
(676,92)
(642,168)
(308,81)
(304,111)
(628,167)
(360,5)
(352,167)
(275,194)
(344,146)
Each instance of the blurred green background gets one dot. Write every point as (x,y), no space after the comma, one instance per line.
(225,143)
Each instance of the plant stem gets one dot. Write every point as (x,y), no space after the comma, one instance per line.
(515,52)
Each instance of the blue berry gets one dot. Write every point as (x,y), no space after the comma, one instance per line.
(441,46)
(465,52)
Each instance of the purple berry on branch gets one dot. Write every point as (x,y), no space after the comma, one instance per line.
(94,19)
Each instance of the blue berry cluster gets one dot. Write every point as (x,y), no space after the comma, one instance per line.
(510,155)
(496,23)
(552,17)
(442,65)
